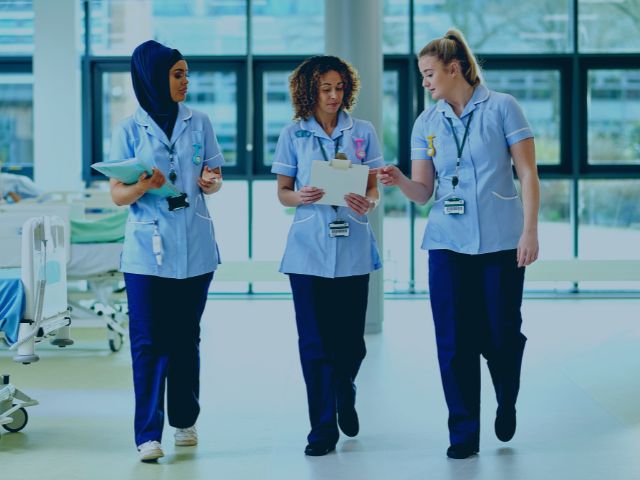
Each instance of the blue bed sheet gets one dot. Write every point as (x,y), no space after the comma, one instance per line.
(12,303)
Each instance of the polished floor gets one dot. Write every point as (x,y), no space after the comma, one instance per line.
(579,410)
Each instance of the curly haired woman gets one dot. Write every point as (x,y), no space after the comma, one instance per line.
(330,249)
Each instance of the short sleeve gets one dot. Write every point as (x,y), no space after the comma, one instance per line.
(374,158)
(121,147)
(212,154)
(285,160)
(419,141)
(516,127)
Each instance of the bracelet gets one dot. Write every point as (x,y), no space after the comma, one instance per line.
(373,203)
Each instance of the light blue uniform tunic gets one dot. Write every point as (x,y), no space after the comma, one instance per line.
(493,218)
(188,237)
(310,250)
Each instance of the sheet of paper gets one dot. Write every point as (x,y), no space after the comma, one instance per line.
(337,182)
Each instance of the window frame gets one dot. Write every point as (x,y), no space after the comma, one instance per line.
(11,65)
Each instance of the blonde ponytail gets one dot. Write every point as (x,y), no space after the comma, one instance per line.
(453,46)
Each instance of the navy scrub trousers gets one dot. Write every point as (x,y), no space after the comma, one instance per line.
(330,316)
(475,300)
(164,332)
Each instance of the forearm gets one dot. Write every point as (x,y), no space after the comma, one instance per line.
(289,197)
(530,201)
(122,194)
(415,191)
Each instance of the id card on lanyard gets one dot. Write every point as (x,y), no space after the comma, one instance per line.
(455,205)
(337,228)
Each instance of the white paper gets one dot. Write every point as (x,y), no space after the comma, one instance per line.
(338,182)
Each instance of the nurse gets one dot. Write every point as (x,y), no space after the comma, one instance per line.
(480,235)
(169,251)
(330,250)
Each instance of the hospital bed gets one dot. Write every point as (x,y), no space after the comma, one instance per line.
(96,228)
(33,300)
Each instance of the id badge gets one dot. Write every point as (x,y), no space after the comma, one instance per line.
(178,202)
(339,228)
(454,206)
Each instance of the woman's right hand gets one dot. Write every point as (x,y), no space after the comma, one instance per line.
(156,180)
(389,175)
(309,195)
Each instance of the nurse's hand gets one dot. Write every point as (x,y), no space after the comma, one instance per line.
(359,204)
(148,182)
(309,195)
(210,181)
(527,249)
(389,175)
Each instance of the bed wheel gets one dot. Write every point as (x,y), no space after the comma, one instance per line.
(115,341)
(20,419)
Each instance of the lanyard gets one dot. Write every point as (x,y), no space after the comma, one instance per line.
(459,146)
(324,154)
(172,171)
(336,142)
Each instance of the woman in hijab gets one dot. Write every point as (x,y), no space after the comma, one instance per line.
(170,252)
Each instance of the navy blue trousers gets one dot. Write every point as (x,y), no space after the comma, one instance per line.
(475,300)
(164,332)
(330,316)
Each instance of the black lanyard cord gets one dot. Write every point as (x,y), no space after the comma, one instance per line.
(459,146)
(336,142)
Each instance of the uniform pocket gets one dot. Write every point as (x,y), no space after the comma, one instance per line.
(301,220)
(502,197)
(365,222)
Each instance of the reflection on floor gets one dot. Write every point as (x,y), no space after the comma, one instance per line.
(579,410)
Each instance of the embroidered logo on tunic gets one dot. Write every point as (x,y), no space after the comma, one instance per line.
(303,133)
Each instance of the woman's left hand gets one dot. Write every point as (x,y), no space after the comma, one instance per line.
(359,204)
(527,249)
(210,181)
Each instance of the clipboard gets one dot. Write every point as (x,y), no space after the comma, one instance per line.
(338,178)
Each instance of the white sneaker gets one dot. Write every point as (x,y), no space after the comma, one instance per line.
(186,437)
(150,451)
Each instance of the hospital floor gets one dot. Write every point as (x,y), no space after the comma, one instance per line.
(579,408)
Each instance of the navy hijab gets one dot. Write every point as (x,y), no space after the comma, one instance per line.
(150,65)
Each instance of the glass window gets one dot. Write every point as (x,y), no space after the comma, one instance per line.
(395,251)
(213,93)
(195,27)
(609,219)
(395,26)
(421,281)
(278,111)
(500,26)
(555,233)
(613,106)
(538,93)
(609,26)
(271,223)
(390,116)
(16,27)
(232,230)
(288,27)
(16,120)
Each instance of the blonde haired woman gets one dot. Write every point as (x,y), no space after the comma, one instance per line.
(480,234)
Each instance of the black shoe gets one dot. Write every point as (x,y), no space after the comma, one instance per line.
(319,449)
(348,422)
(460,451)
(505,425)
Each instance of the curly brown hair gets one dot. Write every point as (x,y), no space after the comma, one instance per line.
(304,84)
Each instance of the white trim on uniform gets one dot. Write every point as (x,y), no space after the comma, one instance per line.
(517,131)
